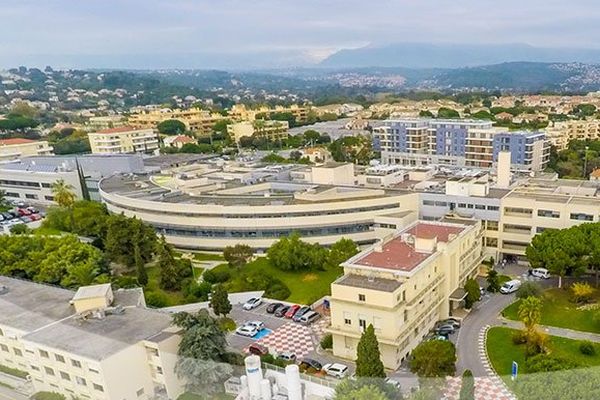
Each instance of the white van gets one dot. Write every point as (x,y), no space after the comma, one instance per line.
(510,286)
(309,317)
(540,273)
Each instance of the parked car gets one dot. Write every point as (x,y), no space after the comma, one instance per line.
(307,363)
(336,370)
(510,286)
(26,219)
(455,323)
(252,303)
(292,311)
(446,329)
(281,311)
(309,317)
(273,306)
(259,325)
(35,217)
(540,273)
(7,215)
(301,311)
(258,349)
(23,211)
(247,330)
(287,356)
(33,210)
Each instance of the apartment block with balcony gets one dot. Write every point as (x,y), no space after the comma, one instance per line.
(562,132)
(17,148)
(124,139)
(402,286)
(270,130)
(459,143)
(92,344)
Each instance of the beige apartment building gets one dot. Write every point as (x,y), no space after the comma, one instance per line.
(93,344)
(402,286)
(125,139)
(106,122)
(544,204)
(241,113)
(270,130)
(196,120)
(16,148)
(562,132)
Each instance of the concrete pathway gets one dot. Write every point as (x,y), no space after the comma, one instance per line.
(552,330)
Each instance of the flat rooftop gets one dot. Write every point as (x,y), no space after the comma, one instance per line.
(400,255)
(360,281)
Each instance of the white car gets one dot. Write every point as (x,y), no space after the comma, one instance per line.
(247,330)
(259,325)
(252,303)
(336,370)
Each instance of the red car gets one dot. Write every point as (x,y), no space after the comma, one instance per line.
(23,211)
(293,309)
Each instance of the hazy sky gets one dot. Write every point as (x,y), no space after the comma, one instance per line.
(221,33)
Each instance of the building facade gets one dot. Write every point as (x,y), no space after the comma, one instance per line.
(403,286)
(124,139)
(271,130)
(14,149)
(96,345)
(560,133)
(461,143)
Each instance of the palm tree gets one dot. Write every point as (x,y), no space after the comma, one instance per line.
(63,193)
(530,312)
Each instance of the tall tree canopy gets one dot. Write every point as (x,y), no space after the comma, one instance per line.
(368,360)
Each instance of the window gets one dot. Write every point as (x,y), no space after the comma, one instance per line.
(479,206)
(94,370)
(1,333)
(548,214)
(361,297)
(347,318)
(59,358)
(34,367)
(493,208)
(140,392)
(49,198)
(159,370)
(405,315)
(363,324)
(45,185)
(49,371)
(65,376)
(44,354)
(76,363)
(582,217)
(428,203)
(98,387)
(376,322)
(30,196)
(80,381)
(18,352)
(4,347)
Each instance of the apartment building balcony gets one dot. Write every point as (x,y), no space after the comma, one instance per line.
(518,212)
(109,147)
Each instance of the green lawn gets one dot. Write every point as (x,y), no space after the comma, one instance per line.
(502,351)
(13,371)
(559,311)
(305,287)
(197,272)
(208,257)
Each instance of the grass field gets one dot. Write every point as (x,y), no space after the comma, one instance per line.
(502,351)
(208,257)
(559,311)
(305,287)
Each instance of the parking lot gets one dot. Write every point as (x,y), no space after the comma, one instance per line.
(22,213)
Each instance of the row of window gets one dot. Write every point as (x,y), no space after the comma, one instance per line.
(28,196)
(9,182)
(460,205)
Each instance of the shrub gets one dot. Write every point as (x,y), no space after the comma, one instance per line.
(233,358)
(269,359)
(227,324)
(587,348)
(519,337)
(529,289)
(548,363)
(126,282)
(197,291)
(536,343)
(48,396)
(156,299)
(582,292)
(218,276)
(277,290)
(327,341)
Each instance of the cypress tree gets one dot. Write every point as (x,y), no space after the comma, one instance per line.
(467,390)
(368,358)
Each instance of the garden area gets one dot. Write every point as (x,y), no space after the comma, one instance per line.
(559,309)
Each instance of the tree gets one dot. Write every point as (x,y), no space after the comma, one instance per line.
(492,281)
(140,266)
(63,193)
(530,312)
(467,389)
(167,265)
(292,254)
(444,112)
(433,358)
(341,251)
(473,293)
(20,229)
(368,360)
(123,235)
(363,392)
(219,301)
(529,289)
(238,255)
(171,127)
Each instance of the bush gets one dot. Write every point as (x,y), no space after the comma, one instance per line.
(587,348)
(269,359)
(327,341)
(519,337)
(227,324)
(197,291)
(529,289)
(548,363)
(277,290)
(582,292)
(233,358)
(48,396)
(218,276)
(125,282)
(156,299)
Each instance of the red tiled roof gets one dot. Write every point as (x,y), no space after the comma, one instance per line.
(596,173)
(117,130)
(183,139)
(8,142)
(398,255)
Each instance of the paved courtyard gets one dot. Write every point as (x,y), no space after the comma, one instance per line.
(486,388)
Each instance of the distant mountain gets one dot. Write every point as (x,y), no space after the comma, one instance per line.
(423,55)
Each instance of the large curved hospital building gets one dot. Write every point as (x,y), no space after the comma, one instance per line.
(209,206)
